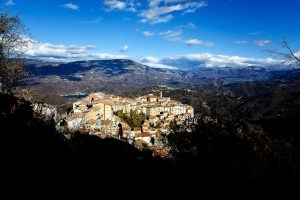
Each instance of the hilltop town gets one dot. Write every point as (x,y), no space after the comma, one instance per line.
(142,118)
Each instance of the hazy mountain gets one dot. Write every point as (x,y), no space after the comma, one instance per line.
(91,76)
(117,76)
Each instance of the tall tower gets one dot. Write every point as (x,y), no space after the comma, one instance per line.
(104,111)
(160,94)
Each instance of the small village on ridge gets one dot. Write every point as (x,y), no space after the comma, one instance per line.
(143,118)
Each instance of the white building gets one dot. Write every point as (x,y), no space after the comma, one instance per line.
(76,121)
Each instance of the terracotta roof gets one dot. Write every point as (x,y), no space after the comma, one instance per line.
(75,116)
(82,129)
(106,122)
(143,134)
(91,121)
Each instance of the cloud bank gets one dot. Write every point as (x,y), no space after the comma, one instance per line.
(53,52)
(65,53)
(210,60)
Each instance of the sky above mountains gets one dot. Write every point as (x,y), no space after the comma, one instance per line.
(160,33)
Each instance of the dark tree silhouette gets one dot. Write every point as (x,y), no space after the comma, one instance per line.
(120,134)
(13,43)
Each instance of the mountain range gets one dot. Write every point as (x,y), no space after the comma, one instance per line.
(119,75)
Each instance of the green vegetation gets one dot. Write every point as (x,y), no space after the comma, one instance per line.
(173,125)
(133,119)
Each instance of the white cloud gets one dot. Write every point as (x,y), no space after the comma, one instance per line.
(211,60)
(115,5)
(240,42)
(107,56)
(163,19)
(48,51)
(172,35)
(262,43)
(124,48)
(193,42)
(148,33)
(71,6)
(156,11)
(150,59)
(176,36)
(193,6)
(158,65)
(190,25)
(297,54)
(189,61)
(160,11)
(51,50)
(65,53)
(120,5)
(10,3)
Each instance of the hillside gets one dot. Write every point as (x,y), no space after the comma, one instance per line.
(53,80)
(236,154)
(92,76)
(40,163)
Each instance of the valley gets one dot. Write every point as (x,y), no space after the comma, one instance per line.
(54,81)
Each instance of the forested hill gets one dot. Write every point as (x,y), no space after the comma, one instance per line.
(119,75)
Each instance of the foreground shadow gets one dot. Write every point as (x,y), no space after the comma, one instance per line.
(40,163)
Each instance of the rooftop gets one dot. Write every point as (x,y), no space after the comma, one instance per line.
(75,116)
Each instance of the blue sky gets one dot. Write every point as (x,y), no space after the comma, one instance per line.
(216,32)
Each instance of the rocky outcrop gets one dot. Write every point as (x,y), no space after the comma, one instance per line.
(49,112)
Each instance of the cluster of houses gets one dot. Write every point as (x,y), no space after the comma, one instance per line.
(96,114)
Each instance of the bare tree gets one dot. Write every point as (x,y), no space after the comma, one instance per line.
(289,55)
(29,94)
(13,43)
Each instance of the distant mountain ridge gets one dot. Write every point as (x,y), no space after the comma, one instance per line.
(119,75)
